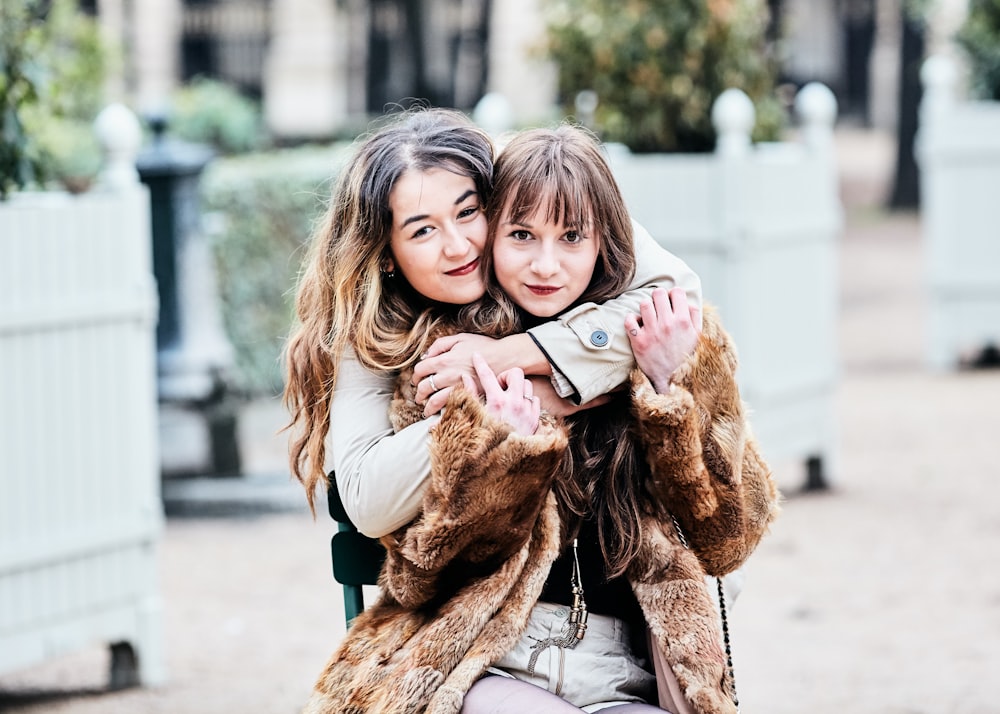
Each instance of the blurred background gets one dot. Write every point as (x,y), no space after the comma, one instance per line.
(829,167)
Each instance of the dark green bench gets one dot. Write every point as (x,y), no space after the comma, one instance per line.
(357,559)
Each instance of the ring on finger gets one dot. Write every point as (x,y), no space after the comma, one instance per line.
(433,386)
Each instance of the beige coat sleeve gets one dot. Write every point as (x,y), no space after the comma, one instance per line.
(381,475)
(588,344)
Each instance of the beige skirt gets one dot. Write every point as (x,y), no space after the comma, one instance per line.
(600,671)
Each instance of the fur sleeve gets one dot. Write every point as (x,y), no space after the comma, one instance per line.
(706,469)
(486,488)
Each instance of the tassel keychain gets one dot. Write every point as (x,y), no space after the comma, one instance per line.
(575,627)
(578,613)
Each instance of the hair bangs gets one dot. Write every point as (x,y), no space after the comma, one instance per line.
(560,196)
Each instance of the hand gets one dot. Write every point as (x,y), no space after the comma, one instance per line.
(664,335)
(509,396)
(447,360)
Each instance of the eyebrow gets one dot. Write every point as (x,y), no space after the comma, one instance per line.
(422,216)
(525,224)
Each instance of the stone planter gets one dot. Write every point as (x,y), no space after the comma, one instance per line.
(80,516)
(958,147)
(760,225)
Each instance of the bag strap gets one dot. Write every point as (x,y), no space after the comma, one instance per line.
(725,622)
(725,638)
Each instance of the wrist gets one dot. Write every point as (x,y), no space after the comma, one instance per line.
(663,386)
(521,351)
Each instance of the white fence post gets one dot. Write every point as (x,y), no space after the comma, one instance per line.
(958,148)
(760,225)
(80,516)
(120,135)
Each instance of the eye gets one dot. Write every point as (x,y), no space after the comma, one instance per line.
(520,235)
(467,212)
(421,232)
(572,237)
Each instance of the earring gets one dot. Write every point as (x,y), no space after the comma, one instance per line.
(389,274)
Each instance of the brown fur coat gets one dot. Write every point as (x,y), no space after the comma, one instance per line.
(462,578)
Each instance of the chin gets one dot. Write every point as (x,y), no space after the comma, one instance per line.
(462,298)
(544,313)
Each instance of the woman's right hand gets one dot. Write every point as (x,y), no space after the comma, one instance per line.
(509,396)
(664,334)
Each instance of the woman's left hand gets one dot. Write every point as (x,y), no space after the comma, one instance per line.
(667,335)
(509,396)
(446,363)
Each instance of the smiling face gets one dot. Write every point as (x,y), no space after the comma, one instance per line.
(438,234)
(541,263)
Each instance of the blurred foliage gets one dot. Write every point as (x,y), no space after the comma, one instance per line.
(658,66)
(76,62)
(53,63)
(20,27)
(71,150)
(979,36)
(212,112)
(260,209)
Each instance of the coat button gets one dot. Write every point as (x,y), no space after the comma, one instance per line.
(598,338)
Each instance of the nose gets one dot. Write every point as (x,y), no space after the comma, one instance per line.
(455,243)
(544,263)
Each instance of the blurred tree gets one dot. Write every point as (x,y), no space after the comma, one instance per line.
(906,182)
(213,112)
(20,23)
(52,69)
(858,42)
(979,36)
(657,67)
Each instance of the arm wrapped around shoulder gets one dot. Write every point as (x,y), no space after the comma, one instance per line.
(706,469)
(486,488)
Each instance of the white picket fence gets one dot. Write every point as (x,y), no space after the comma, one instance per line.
(80,509)
(761,225)
(959,151)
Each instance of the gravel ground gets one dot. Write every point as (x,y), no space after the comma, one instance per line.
(874,597)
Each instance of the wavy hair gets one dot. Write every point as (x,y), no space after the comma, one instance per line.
(344,297)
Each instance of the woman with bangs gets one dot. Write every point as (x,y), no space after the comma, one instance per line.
(570,577)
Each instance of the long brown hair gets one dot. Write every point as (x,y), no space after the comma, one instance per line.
(564,171)
(344,296)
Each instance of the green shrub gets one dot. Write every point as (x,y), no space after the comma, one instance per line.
(658,66)
(263,207)
(211,112)
(52,68)
(71,150)
(979,36)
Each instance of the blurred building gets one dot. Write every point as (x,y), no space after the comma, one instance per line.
(322,66)
(854,47)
